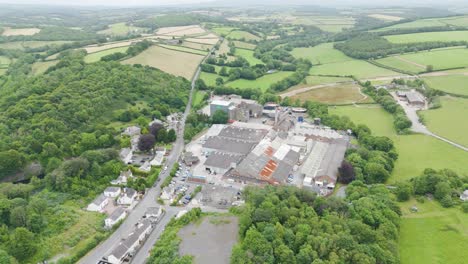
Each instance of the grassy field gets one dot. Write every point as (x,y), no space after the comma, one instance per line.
(210,78)
(398,63)
(326,23)
(175,62)
(342,94)
(198,98)
(359,69)
(248,55)
(94,57)
(455,84)
(2,71)
(4,62)
(429,36)
(244,45)
(317,80)
(239,34)
(184,49)
(262,83)
(40,67)
(439,59)
(445,121)
(21,45)
(198,46)
(433,235)
(121,29)
(431,22)
(321,54)
(385,17)
(222,30)
(416,152)
(20,31)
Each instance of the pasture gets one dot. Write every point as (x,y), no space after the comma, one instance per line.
(197,46)
(198,98)
(341,94)
(96,48)
(440,59)
(455,84)
(174,62)
(94,57)
(262,83)
(317,80)
(210,78)
(249,56)
(321,54)
(446,120)
(326,23)
(223,31)
(121,29)
(21,45)
(385,17)
(399,63)
(184,49)
(41,66)
(429,36)
(242,35)
(4,62)
(208,41)
(3,71)
(433,234)
(357,68)
(431,22)
(416,152)
(244,45)
(181,31)
(20,31)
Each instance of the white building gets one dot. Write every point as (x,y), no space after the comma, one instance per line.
(126,155)
(112,192)
(132,131)
(116,216)
(464,196)
(154,212)
(98,204)
(127,197)
(123,178)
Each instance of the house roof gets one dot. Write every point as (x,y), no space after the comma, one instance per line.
(414,97)
(152,210)
(100,199)
(122,249)
(129,192)
(127,173)
(112,189)
(221,102)
(117,213)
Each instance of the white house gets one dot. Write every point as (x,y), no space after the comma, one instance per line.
(127,197)
(132,131)
(112,192)
(154,212)
(126,155)
(464,196)
(98,204)
(115,217)
(123,178)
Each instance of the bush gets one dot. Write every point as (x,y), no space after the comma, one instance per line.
(446,201)
(464,207)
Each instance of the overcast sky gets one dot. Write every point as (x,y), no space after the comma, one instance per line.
(250,2)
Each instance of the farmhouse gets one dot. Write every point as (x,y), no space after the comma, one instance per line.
(115,217)
(98,204)
(131,243)
(127,197)
(464,196)
(112,192)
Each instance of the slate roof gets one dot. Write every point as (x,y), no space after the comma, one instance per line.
(221,160)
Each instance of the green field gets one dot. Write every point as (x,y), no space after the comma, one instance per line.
(21,45)
(416,152)
(398,63)
(429,36)
(184,49)
(244,45)
(439,59)
(342,94)
(223,30)
(249,56)
(326,23)
(94,57)
(4,62)
(446,121)
(359,69)
(240,35)
(198,98)
(41,66)
(2,71)
(121,29)
(321,54)
(210,78)
(262,83)
(456,84)
(312,80)
(431,22)
(433,235)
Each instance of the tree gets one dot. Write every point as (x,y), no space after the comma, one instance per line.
(404,191)
(442,189)
(146,142)
(219,117)
(375,173)
(446,201)
(429,68)
(155,127)
(10,161)
(162,136)
(346,173)
(22,244)
(5,258)
(200,85)
(223,72)
(171,135)
(219,81)
(464,207)
(18,217)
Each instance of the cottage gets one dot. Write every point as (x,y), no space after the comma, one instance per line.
(154,212)
(123,178)
(112,192)
(464,196)
(126,155)
(98,204)
(132,131)
(127,197)
(116,216)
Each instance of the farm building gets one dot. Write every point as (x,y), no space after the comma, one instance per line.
(415,99)
(98,204)
(115,217)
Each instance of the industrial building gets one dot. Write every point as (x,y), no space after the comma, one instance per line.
(237,109)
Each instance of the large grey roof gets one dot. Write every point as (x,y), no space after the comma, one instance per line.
(129,192)
(246,134)
(122,249)
(99,199)
(414,97)
(117,213)
(112,189)
(229,145)
(220,160)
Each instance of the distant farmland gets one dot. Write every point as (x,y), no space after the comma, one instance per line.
(429,36)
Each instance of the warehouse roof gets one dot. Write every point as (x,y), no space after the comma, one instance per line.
(222,160)
(228,145)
